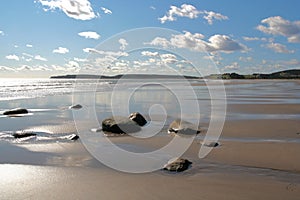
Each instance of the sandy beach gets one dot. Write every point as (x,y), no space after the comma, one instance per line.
(258,157)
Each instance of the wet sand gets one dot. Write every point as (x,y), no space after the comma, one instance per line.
(258,159)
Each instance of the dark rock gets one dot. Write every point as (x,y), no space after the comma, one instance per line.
(212,144)
(23,134)
(74,137)
(183,128)
(138,118)
(120,125)
(177,165)
(76,107)
(16,111)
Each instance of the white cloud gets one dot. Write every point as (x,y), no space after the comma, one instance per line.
(106,53)
(29,45)
(293,62)
(12,57)
(123,44)
(210,16)
(279,26)
(72,64)
(159,41)
(190,11)
(61,50)
(89,34)
(224,43)
(168,58)
(76,9)
(246,59)
(4,68)
(195,42)
(28,55)
(80,59)
(279,48)
(38,57)
(152,7)
(149,53)
(185,10)
(1,33)
(254,39)
(233,66)
(106,11)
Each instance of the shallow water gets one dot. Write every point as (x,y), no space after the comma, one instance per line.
(159,100)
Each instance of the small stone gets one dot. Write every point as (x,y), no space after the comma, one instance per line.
(74,137)
(212,144)
(182,127)
(177,165)
(76,107)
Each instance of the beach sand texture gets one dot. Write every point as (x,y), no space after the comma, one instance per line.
(258,157)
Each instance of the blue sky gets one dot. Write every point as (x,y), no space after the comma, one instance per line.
(44,37)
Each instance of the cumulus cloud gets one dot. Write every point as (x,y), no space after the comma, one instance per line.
(190,11)
(5,68)
(123,44)
(61,50)
(1,33)
(185,10)
(89,34)
(224,43)
(106,11)
(159,41)
(72,64)
(12,57)
(196,42)
(279,48)
(168,58)
(280,26)
(149,53)
(38,57)
(210,16)
(29,45)
(76,9)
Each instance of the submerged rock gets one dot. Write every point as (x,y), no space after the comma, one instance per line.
(74,137)
(23,134)
(212,144)
(16,111)
(76,107)
(182,127)
(177,165)
(120,125)
(138,118)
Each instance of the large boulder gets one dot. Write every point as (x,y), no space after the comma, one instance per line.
(120,125)
(177,165)
(183,128)
(16,111)
(138,118)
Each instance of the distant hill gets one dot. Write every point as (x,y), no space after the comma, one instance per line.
(127,76)
(287,74)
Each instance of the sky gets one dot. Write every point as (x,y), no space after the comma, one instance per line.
(40,38)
